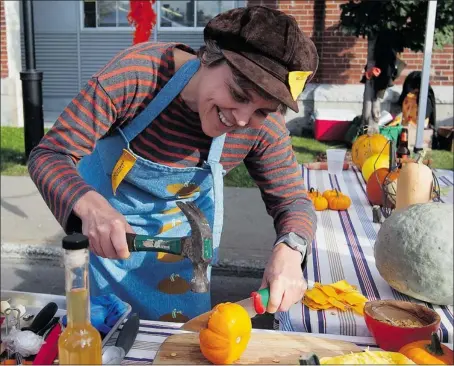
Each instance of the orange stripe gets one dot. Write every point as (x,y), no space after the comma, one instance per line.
(123,99)
(71,143)
(100,93)
(133,68)
(81,123)
(237,146)
(176,144)
(55,142)
(137,48)
(271,132)
(56,196)
(48,174)
(121,85)
(92,117)
(168,153)
(37,163)
(179,134)
(94,105)
(58,176)
(137,56)
(76,132)
(158,161)
(71,198)
(280,124)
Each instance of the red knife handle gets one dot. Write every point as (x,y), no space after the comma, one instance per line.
(49,350)
(261,298)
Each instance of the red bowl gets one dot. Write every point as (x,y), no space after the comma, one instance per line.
(392,337)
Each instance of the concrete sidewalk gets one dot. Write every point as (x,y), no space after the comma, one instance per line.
(28,229)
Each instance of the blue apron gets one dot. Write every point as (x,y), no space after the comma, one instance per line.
(156,285)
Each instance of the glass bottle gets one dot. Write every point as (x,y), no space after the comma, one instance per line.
(403,152)
(80,343)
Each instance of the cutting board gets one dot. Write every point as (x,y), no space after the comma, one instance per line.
(263,349)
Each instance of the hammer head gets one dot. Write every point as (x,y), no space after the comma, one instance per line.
(199,246)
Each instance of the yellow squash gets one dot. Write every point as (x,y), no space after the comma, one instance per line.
(227,334)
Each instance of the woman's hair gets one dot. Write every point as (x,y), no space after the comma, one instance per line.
(211,55)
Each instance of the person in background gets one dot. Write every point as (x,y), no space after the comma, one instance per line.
(161,123)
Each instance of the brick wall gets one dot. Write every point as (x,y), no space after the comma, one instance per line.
(342,58)
(3,50)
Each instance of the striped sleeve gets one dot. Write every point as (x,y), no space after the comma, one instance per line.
(52,164)
(111,98)
(273,166)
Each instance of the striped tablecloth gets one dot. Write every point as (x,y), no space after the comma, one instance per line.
(343,249)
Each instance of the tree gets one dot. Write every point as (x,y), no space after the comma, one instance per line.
(394,25)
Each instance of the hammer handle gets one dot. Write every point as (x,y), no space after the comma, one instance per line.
(145,243)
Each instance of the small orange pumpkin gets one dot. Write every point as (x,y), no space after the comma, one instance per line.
(320,203)
(313,193)
(339,202)
(331,193)
(428,352)
(227,334)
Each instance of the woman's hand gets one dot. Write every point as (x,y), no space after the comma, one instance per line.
(104,226)
(284,276)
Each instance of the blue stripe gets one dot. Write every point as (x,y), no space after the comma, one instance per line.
(158,326)
(444,330)
(448,314)
(315,261)
(156,333)
(366,223)
(127,358)
(359,249)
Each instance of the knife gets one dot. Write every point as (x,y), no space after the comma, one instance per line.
(42,318)
(114,355)
(256,304)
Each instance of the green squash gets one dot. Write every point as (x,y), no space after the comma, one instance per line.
(414,252)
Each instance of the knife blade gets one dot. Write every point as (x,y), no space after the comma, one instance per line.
(128,333)
(256,304)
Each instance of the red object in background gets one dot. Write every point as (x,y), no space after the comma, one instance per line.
(392,338)
(332,124)
(143,18)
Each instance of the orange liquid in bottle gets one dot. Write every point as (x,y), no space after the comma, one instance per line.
(80,343)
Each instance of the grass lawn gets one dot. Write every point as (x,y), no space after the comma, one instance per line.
(12,160)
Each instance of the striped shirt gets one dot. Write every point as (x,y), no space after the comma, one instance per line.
(118,93)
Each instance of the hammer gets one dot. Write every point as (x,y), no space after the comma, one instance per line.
(198,247)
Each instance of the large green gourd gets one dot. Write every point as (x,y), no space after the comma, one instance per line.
(414,252)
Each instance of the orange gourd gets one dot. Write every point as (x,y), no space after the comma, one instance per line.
(313,193)
(374,187)
(340,202)
(331,193)
(320,203)
(227,334)
(366,146)
(428,352)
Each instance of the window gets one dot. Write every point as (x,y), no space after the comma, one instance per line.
(105,14)
(184,14)
(172,14)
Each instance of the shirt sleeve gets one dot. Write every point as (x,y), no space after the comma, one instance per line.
(111,98)
(273,166)
(52,164)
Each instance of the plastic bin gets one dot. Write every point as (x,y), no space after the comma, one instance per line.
(332,124)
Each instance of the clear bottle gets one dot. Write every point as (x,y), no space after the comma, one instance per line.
(80,343)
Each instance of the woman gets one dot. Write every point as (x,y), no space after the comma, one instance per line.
(180,120)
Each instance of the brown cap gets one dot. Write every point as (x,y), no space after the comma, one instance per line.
(265,45)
